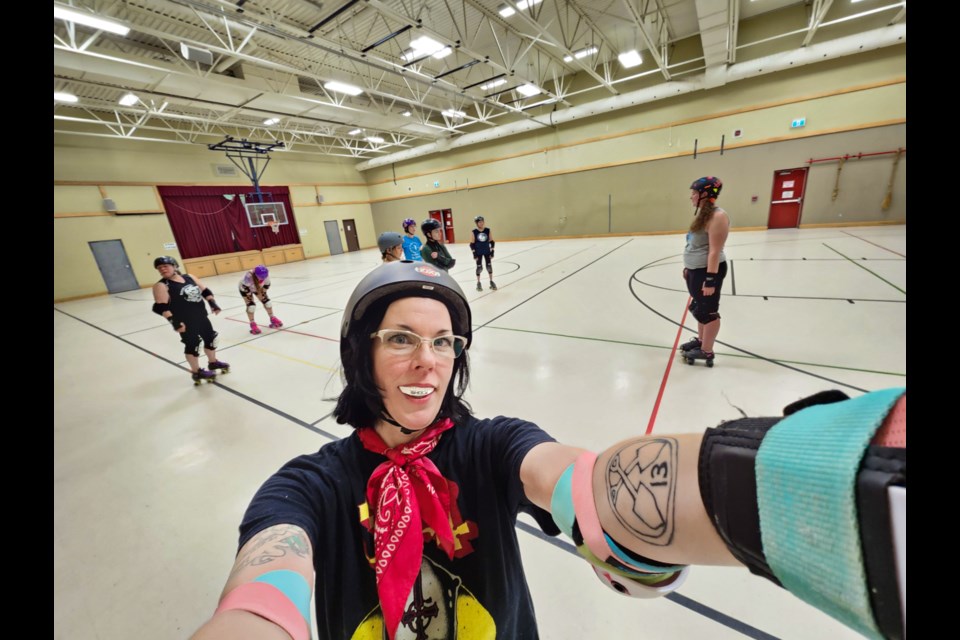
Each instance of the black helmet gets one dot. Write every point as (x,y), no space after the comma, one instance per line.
(429,225)
(165,260)
(388,240)
(707,186)
(415,279)
(478,219)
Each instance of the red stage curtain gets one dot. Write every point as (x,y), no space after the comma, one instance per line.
(205,223)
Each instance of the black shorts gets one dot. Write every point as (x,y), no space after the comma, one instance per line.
(701,303)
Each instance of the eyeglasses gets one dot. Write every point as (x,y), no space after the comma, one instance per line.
(405,343)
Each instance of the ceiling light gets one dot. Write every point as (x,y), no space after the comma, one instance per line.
(129,100)
(355,132)
(406,114)
(491,85)
(271,121)
(374,139)
(630,59)
(523,4)
(90,21)
(426,46)
(451,113)
(528,90)
(64,97)
(583,53)
(506,10)
(341,87)
(443,53)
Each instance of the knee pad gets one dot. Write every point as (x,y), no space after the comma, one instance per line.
(479,269)
(489,268)
(191,345)
(251,308)
(705,317)
(268,306)
(214,342)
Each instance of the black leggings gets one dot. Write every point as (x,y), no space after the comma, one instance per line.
(705,308)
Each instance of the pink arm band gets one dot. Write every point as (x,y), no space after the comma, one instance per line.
(267,601)
(581,486)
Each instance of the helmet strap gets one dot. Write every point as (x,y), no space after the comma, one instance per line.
(386,417)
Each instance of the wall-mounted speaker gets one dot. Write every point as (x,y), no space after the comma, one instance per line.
(319,199)
(110,205)
(195,54)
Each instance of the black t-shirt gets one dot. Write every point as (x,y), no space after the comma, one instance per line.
(481,591)
(186,303)
(481,242)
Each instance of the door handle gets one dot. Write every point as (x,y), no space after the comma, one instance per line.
(786,201)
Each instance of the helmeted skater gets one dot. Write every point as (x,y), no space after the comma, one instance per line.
(411,243)
(705,266)
(406,528)
(178,298)
(482,247)
(254,284)
(434,252)
(390,244)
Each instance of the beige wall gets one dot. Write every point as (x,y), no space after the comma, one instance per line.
(628,171)
(86,170)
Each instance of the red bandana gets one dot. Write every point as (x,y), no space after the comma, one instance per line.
(406,490)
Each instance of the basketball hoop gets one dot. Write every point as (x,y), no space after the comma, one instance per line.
(274,226)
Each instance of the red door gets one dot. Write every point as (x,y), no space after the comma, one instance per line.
(445,218)
(448,225)
(786,201)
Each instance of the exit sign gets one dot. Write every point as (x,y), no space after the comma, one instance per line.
(797,123)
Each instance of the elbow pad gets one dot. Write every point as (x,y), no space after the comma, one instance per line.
(205,293)
(160,307)
(803,501)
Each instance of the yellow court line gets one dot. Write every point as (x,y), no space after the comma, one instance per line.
(274,353)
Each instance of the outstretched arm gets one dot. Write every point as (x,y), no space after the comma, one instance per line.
(264,594)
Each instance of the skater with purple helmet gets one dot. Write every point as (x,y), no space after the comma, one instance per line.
(411,243)
(705,266)
(255,283)
(178,298)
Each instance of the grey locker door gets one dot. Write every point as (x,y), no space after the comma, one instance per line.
(332,228)
(114,265)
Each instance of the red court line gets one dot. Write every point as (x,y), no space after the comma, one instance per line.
(299,333)
(666,373)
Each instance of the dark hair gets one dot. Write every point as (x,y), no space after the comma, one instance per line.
(360,404)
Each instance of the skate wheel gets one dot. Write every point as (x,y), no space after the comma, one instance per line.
(710,363)
(688,360)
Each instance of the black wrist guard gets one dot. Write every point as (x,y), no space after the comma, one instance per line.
(710,280)
(173,320)
(213,305)
(729,480)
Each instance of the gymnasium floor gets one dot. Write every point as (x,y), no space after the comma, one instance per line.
(152,474)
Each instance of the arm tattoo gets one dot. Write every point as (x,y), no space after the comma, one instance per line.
(270,544)
(641,482)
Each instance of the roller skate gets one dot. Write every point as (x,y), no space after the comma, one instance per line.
(219,367)
(203,375)
(254,329)
(493,286)
(479,286)
(275,322)
(691,344)
(698,354)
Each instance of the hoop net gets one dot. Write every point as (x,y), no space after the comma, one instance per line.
(275,227)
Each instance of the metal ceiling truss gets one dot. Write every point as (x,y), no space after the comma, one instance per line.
(271,60)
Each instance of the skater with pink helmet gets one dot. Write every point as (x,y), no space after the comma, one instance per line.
(255,284)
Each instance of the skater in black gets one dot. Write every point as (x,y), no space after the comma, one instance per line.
(178,298)
(482,247)
(705,266)
(433,251)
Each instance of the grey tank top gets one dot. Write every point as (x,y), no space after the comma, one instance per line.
(695,253)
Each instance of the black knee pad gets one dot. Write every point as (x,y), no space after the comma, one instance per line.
(191,345)
(705,317)
(489,268)
(479,269)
